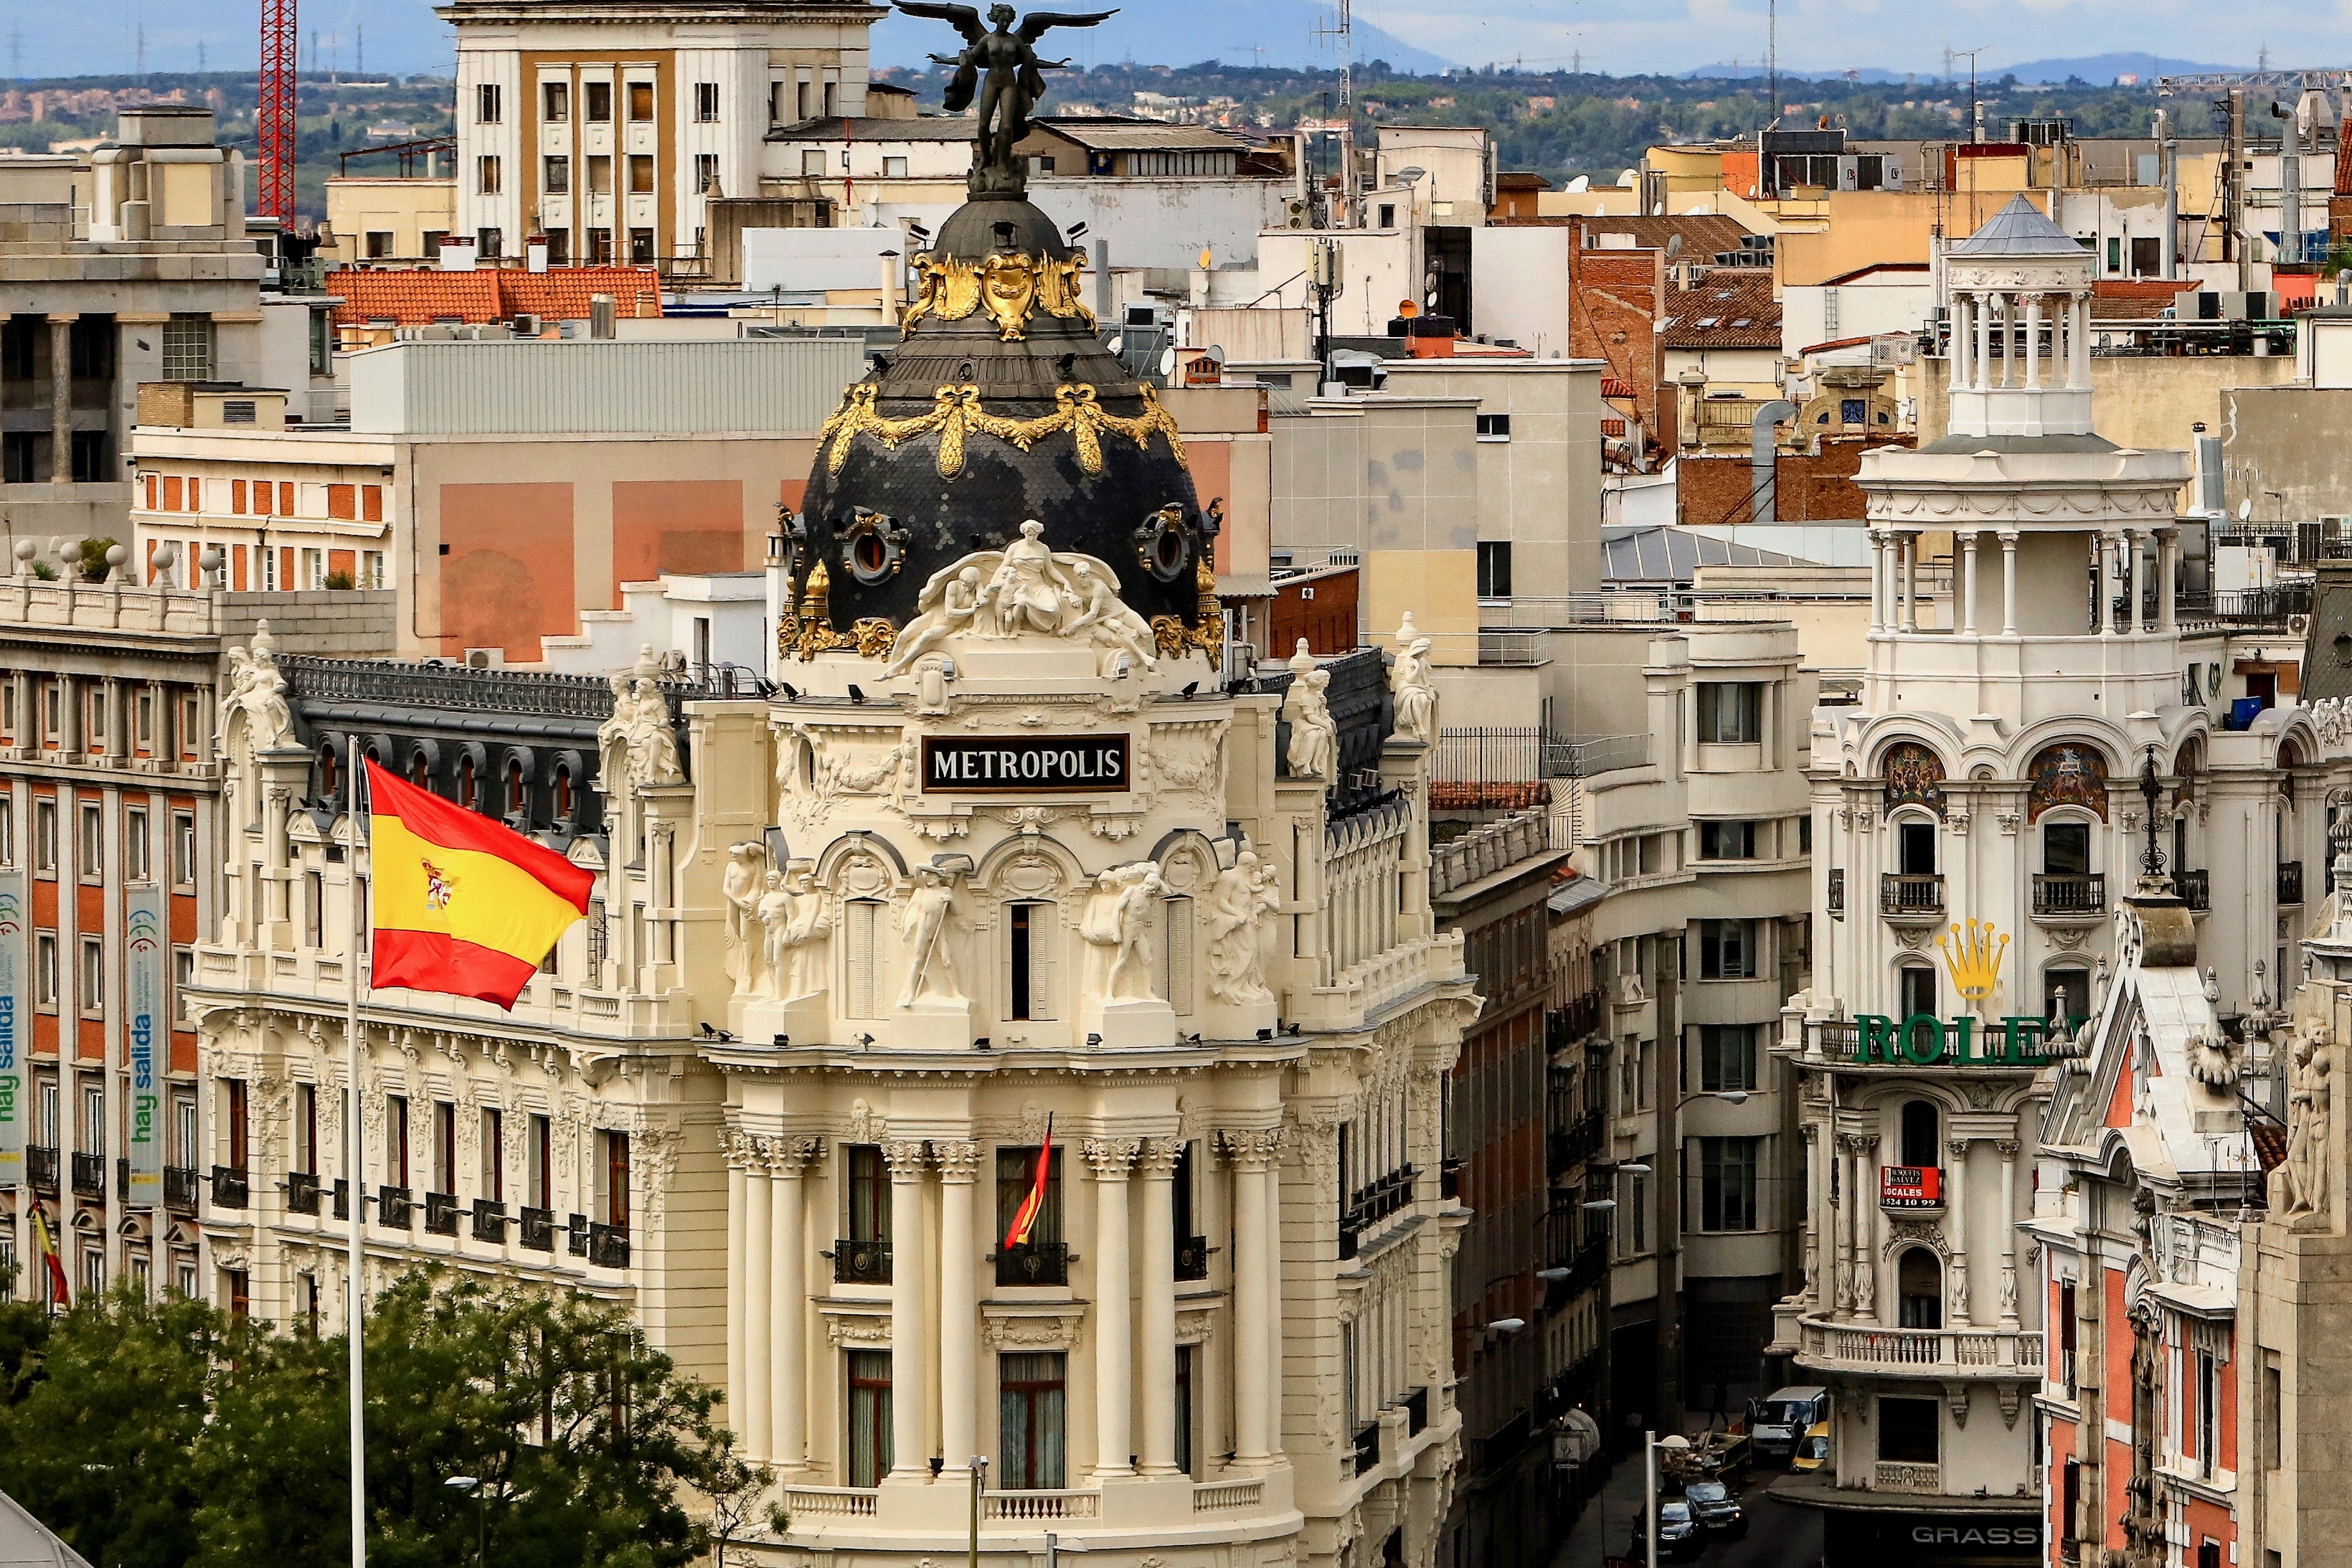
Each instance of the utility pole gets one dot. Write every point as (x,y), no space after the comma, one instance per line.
(1772,53)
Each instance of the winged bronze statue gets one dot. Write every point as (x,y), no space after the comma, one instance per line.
(1002,65)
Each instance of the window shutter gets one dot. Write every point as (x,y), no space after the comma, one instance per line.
(1177,945)
(862,959)
(1045,930)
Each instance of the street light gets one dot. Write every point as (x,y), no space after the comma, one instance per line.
(1650,1444)
(473,1484)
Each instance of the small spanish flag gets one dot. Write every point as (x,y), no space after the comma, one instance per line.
(460,904)
(1024,1219)
(47,1249)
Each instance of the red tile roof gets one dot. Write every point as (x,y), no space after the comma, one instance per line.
(420,296)
(1730,308)
(1470,796)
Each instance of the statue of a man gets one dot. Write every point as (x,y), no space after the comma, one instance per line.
(1004,66)
(741,888)
(923,923)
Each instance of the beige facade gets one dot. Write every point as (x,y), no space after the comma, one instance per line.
(387,218)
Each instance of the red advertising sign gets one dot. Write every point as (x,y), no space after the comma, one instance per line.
(1910,1187)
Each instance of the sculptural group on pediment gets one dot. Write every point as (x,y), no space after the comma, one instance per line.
(1026,590)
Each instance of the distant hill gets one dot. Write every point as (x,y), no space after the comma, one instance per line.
(1233,31)
(2099,70)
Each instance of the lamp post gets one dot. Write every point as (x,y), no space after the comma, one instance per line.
(978,1481)
(482,1511)
(1650,1444)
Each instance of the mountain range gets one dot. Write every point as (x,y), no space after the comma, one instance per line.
(2096,69)
(1281,33)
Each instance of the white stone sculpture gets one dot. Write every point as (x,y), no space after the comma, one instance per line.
(797,949)
(257,691)
(1023,589)
(1313,749)
(1117,925)
(747,864)
(924,925)
(1409,685)
(2305,1170)
(637,744)
(1237,971)
(2213,1057)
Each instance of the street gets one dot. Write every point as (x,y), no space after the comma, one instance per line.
(1777,1536)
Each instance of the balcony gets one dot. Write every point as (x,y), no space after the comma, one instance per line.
(2290,884)
(608,1246)
(1416,1411)
(1038,1263)
(861,1262)
(393,1208)
(440,1214)
(1581,1140)
(1191,1258)
(575,1234)
(301,1192)
(2196,890)
(1368,1446)
(2068,895)
(229,1188)
(180,1187)
(342,1199)
(1041,1505)
(1926,1352)
(490,1221)
(1449,1180)
(41,1169)
(1898,1475)
(89,1175)
(1911,896)
(538,1231)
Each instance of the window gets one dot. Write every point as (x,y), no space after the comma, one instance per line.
(1494,426)
(1494,569)
(1029,961)
(306,1129)
(1726,841)
(45,969)
(641,248)
(90,464)
(188,348)
(183,849)
(557,177)
(598,101)
(869,1194)
(445,1146)
(44,835)
(46,1116)
(1727,949)
(2066,993)
(135,845)
(1730,712)
(1914,848)
(1727,1170)
(641,174)
(2066,849)
(869,1417)
(1918,1145)
(1916,990)
(493,1184)
(490,244)
(90,1136)
(540,1178)
(705,174)
(396,1140)
(1016,1170)
(894,166)
(7,829)
(641,102)
(1184,1411)
(1030,1393)
(489,103)
(599,175)
(813,162)
(314,909)
(706,101)
(1727,1058)
(92,996)
(1388,215)
(1919,1290)
(555,101)
(1907,1431)
(613,1178)
(486,174)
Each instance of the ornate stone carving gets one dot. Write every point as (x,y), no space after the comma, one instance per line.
(794,921)
(740,885)
(1241,903)
(1409,686)
(637,745)
(2213,1057)
(1117,928)
(1024,590)
(1018,1329)
(253,716)
(1158,1159)
(927,925)
(1314,750)
(1251,1147)
(905,1157)
(2304,1173)
(1110,1159)
(959,1158)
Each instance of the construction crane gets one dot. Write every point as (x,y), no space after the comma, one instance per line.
(274,116)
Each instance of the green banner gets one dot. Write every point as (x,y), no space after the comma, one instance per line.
(146,941)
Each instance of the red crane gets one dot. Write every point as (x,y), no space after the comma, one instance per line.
(274,118)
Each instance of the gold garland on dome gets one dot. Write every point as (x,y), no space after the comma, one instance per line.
(956,413)
(1011,288)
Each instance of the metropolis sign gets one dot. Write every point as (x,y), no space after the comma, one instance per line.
(1025,764)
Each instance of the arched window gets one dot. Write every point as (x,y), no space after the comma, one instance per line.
(470,789)
(1917,993)
(517,795)
(1919,1290)
(326,771)
(1920,1141)
(563,793)
(2066,993)
(419,771)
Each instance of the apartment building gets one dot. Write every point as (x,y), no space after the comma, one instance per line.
(113,816)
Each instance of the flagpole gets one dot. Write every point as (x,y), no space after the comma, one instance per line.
(354,1155)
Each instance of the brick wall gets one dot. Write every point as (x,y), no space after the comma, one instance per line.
(1810,487)
(1613,301)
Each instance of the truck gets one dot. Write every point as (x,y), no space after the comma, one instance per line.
(1778,1422)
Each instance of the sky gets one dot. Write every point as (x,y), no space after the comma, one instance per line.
(1617,36)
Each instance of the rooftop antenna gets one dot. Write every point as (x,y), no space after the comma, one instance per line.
(200,56)
(138,58)
(1975,110)
(1772,53)
(16,54)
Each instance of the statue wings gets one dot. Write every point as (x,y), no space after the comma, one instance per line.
(1033,26)
(964,19)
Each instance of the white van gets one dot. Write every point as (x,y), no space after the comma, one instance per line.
(1785,1416)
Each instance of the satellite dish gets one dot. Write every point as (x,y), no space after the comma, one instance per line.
(1578,185)
(1410,174)
(1628,180)
(1168,362)
(1674,246)
(1217,353)
(2245,509)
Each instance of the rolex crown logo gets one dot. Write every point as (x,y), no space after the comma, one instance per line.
(1974,958)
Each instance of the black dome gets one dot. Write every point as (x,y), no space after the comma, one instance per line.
(1001,404)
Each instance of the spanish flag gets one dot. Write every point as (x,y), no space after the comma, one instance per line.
(1024,1219)
(460,904)
(50,1261)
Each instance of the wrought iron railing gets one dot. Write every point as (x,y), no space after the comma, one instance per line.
(1191,1258)
(303,1192)
(2196,889)
(180,1187)
(229,1186)
(538,1231)
(1034,1263)
(2069,893)
(2290,883)
(1910,893)
(489,1220)
(1368,1446)
(89,1175)
(861,1262)
(608,1246)
(441,1213)
(395,1207)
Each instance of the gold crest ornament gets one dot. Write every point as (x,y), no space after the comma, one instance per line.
(817,633)
(1009,291)
(1975,964)
(1168,632)
(1058,290)
(956,413)
(949,290)
(875,636)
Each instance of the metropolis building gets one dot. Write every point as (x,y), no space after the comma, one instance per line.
(2070,743)
(993,860)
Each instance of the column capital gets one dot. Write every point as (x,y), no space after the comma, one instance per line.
(905,1156)
(2008,537)
(1158,1162)
(2008,1147)
(959,1158)
(789,1156)
(1111,1158)
(1957,1145)
(1251,1147)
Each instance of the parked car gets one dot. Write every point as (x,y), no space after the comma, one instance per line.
(1813,1452)
(1778,1422)
(1677,1531)
(1716,1508)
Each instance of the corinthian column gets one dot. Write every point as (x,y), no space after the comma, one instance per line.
(1159,1292)
(1251,1152)
(1110,1160)
(788,1305)
(750,1396)
(738,1155)
(1955,1178)
(959,1305)
(909,1338)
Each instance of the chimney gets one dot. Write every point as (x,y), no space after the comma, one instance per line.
(600,316)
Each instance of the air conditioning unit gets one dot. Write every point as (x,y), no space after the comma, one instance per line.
(1295,215)
(486,659)
(526,325)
